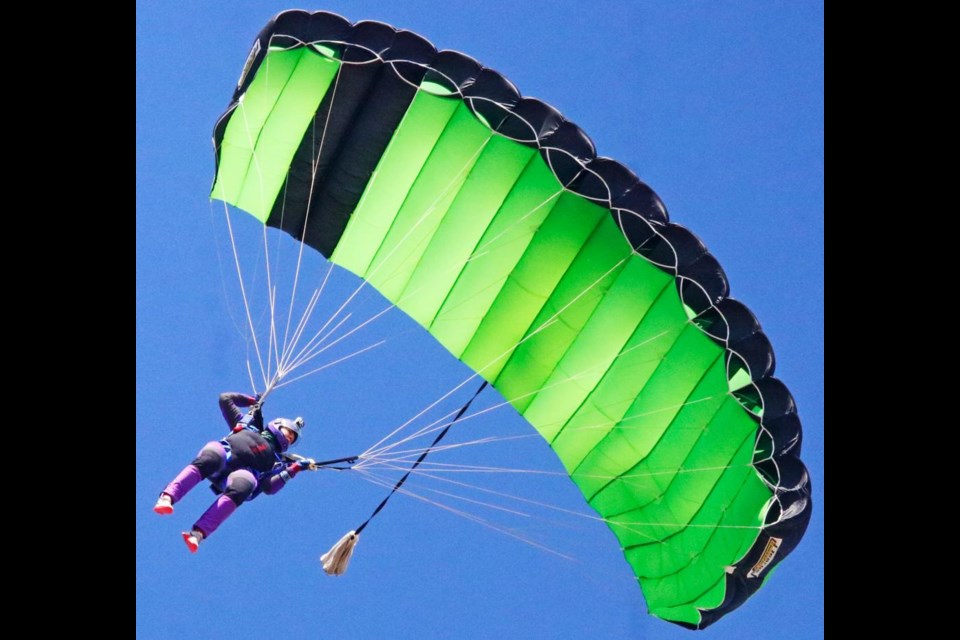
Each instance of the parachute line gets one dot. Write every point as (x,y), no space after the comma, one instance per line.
(420,459)
(468,516)
(243,294)
(301,327)
(330,364)
(581,515)
(611,423)
(313,178)
(549,321)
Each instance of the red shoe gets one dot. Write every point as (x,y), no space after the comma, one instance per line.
(193,539)
(164,505)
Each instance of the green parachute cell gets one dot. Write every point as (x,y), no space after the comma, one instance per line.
(553,273)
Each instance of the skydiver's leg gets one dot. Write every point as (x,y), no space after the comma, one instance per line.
(240,486)
(210,460)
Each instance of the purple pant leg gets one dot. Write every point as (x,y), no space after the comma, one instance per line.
(209,460)
(185,480)
(215,515)
(240,485)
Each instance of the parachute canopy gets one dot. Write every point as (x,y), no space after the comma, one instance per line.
(555,274)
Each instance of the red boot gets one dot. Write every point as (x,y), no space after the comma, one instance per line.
(193,539)
(164,505)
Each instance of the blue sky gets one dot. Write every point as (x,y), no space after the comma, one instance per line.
(717,106)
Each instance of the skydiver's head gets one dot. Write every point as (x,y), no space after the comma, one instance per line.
(286,431)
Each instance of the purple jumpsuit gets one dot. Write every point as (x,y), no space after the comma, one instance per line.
(240,466)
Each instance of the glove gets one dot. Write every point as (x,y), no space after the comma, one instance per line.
(241,399)
(305,464)
(291,471)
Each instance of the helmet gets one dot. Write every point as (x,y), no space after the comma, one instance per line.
(295,425)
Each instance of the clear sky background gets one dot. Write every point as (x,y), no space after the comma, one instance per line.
(718,106)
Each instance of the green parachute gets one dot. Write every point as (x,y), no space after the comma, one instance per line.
(551,272)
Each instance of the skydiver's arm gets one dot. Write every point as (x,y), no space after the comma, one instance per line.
(230,404)
(280,478)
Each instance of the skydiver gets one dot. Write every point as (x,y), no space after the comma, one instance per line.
(239,466)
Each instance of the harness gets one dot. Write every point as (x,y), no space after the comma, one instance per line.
(252,421)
